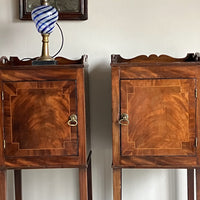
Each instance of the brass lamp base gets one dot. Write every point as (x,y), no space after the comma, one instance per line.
(44,62)
(45,49)
(45,58)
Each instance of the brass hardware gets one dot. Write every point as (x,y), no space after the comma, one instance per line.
(45,49)
(195,92)
(124,119)
(2,95)
(3,60)
(72,120)
(196,142)
(44,2)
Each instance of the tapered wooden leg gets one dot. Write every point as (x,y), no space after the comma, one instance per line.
(89,177)
(190,183)
(198,183)
(117,184)
(2,185)
(83,183)
(18,185)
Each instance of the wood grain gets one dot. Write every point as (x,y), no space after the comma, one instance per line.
(190,183)
(36,104)
(18,184)
(83,184)
(39,112)
(158,94)
(37,74)
(117,184)
(68,63)
(2,157)
(153,58)
(165,71)
(43,162)
(38,101)
(158,162)
(2,184)
(162,117)
(115,116)
(82,115)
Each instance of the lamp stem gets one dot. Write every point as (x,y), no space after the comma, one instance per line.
(44,2)
(45,48)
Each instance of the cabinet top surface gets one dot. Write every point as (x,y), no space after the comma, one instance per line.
(15,62)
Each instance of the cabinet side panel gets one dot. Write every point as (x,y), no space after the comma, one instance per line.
(115,114)
(1,131)
(87,106)
(81,115)
(198,119)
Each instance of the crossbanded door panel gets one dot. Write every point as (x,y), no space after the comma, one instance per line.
(161,117)
(35,118)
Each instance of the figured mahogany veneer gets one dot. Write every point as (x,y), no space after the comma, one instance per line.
(37,103)
(158,112)
(35,118)
(155,115)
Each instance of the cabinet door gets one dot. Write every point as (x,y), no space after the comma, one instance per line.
(161,117)
(35,118)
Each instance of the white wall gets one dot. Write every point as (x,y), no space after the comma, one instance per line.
(126,27)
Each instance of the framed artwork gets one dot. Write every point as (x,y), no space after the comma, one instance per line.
(67,9)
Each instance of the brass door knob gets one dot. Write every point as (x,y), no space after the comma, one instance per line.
(72,120)
(124,119)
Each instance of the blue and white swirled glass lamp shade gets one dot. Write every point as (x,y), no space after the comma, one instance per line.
(45,18)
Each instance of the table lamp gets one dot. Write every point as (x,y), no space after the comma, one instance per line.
(45,17)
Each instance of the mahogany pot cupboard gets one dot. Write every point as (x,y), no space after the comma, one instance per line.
(44,120)
(156,116)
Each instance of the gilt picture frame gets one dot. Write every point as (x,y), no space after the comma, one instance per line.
(67,9)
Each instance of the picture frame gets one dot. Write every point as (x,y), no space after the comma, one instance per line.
(67,9)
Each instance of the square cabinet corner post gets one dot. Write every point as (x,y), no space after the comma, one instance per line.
(44,118)
(155,116)
(2,160)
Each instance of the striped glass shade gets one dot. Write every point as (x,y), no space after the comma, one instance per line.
(45,18)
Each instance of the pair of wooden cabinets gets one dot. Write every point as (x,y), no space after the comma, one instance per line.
(43,120)
(155,115)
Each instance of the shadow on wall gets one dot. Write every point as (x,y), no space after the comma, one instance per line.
(101,129)
(100,105)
